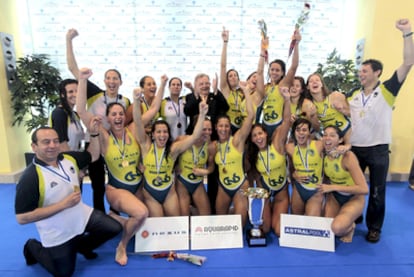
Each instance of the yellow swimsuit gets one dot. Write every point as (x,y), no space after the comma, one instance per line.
(158,174)
(122,160)
(230,164)
(272,168)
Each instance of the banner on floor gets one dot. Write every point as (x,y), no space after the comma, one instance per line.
(307,232)
(163,234)
(216,232)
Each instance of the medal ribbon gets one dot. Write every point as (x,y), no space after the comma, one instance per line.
(106,100)
(177,112)
(61,172)
(267,167)
(304,160)
(121,151)
(197,156)
(236,98)
(365,101)
(223,159)
(158,163)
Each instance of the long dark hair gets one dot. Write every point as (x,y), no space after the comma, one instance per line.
(296,123)
(169,141)
(325,90)
(227,76)
(304,94)
(63,95)
(282,66)
(252,149)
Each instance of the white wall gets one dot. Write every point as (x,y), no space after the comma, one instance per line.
(182,38)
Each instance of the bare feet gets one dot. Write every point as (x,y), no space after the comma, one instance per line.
(348,237)
(121,255)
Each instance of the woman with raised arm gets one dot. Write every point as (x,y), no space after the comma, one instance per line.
(158,156)
(332,108)
(301,105)
(193,166)
(270,113)
(229,160)
(98,100)
(121,152)
(345,194)
(229,86)
(267,154)
(306,156)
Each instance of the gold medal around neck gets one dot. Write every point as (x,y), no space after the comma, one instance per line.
(125,163)
(361,114)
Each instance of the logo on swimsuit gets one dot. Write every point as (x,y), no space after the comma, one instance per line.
(275,183)
(192,176)
(312,179)
(238,120)
(273,115)
(157,182)
(234,180)
(338,124)
(131,176)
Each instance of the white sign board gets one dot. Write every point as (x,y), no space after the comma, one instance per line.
(307,232)
(216,232)
(163,234)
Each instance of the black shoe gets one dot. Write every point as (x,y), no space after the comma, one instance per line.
(373,236)
(359,220)
(30,260)
(90,255)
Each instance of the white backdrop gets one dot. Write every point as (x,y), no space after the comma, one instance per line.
(182,38)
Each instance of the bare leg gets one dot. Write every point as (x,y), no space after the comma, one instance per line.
(348,237)
(126,202)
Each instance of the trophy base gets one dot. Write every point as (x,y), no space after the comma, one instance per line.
(256,240)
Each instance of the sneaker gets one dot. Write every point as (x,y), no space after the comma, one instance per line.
(30,260)
(373,236)
(411,186)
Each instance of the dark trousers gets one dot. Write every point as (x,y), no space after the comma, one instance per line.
(411,176)
(376,158)
(212,189)
(97,176)
(61,260)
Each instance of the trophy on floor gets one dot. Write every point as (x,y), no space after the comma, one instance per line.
(257,197)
